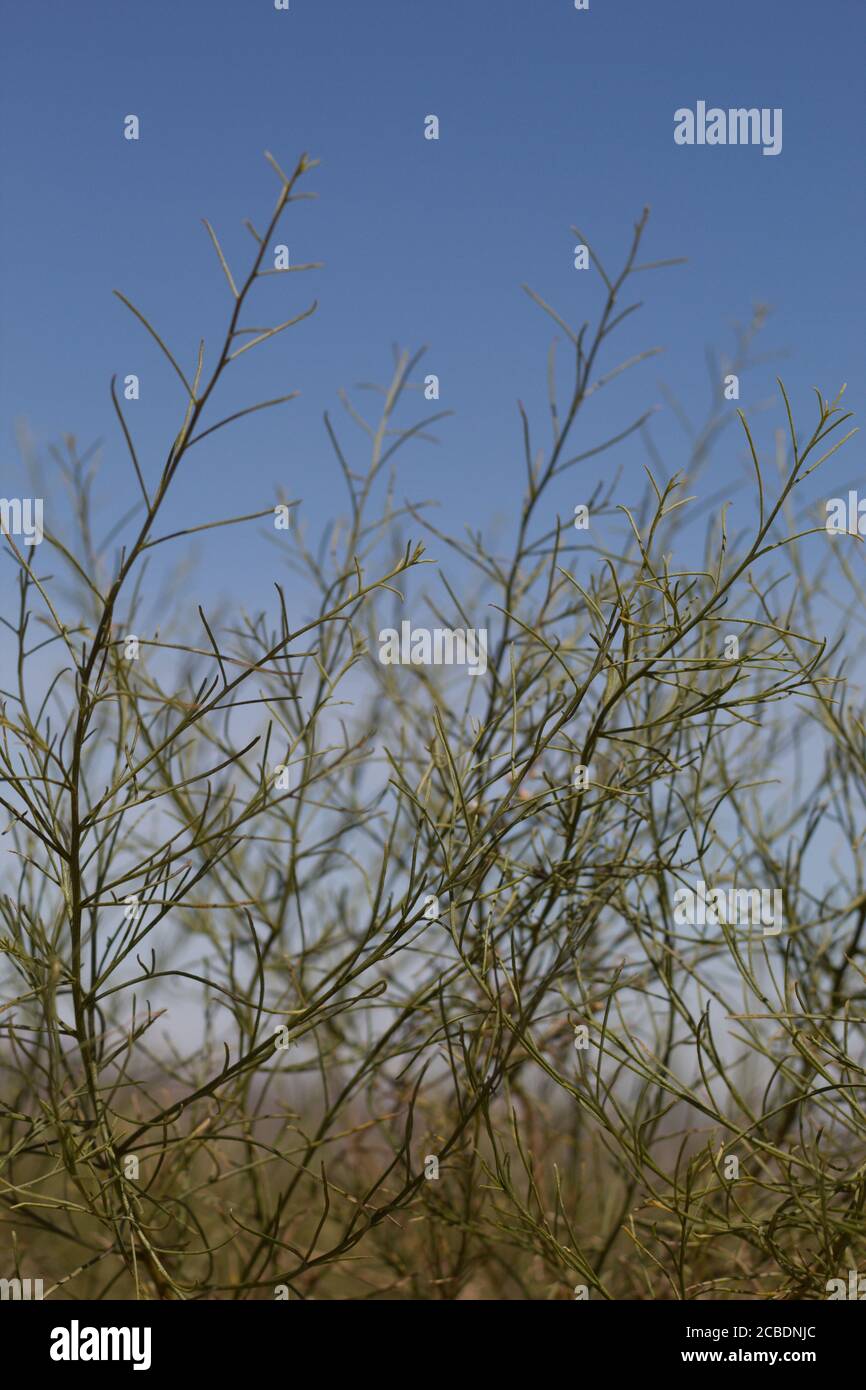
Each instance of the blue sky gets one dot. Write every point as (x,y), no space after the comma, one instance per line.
(549,117)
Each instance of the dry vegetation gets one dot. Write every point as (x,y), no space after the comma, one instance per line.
(233,1034)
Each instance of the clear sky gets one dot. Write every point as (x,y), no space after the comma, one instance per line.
(549,117)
